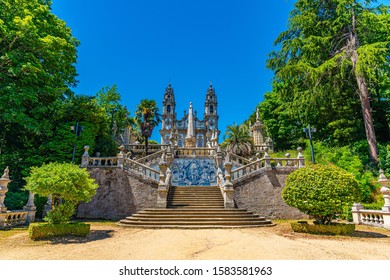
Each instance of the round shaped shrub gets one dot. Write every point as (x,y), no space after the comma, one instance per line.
(67,183)
(321,191)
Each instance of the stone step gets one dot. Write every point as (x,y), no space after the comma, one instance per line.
(194,226)
(211,222)
(195,207)
(165,216)
(192,219)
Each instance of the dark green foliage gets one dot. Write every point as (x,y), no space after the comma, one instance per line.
(44,231)
(16,200)
(332,229)
(321,191)
(147,118)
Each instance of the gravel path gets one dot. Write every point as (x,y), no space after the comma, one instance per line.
(110,242)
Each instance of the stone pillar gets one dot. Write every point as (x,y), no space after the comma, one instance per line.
(228,191)
(301,158)
(4,181)
(85,157)
(219,157)
(31,208)
(385,190)
(121,156)
(47,207)
(356,214)
(169,156)
(162,190)
(267,158)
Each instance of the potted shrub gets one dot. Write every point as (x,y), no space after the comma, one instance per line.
(68,185)
(321,191)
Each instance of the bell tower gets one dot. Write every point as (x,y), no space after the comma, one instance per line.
(168,115)
(211,114)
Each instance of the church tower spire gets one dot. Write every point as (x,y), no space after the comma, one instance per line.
(190,138)
(169,114)
(211,114)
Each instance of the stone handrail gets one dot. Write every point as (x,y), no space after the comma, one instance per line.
(264,162)
(238,159)
(375,218)
(262,148)
(146,171)
(151,158)
(246,169)
(102,161)
(141,147)
(13,218)
(195,152)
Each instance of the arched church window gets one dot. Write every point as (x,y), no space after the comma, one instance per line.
(211,109)
(180,143)
(169,109)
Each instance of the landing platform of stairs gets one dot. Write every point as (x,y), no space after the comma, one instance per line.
(195,207)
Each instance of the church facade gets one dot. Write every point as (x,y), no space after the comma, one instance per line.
(190,130)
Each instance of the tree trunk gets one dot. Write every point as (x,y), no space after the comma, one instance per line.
(352,46)
(146,145)
(367,118)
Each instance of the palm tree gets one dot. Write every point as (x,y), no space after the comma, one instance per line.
(147,117)
(237,140)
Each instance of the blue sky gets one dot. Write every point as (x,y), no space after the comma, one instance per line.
(141,46)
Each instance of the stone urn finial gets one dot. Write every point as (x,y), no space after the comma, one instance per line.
(6,173)
(86,149)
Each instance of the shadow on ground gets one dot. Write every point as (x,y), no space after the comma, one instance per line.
(93,236)
(368,234)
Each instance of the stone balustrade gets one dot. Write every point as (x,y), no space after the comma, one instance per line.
(136,149)
(238,159)
(202,152)
(13,218)
(146,171)
(376,218)
(150,159)
(102,161)
(262,163)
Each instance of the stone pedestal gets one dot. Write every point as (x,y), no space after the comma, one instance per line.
(228,192)
(31,208)
(4,181)
(355,213)
(85,157)
(48,205)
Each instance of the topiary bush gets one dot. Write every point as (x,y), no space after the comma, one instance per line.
(67,183)
(321,191)
(43,231)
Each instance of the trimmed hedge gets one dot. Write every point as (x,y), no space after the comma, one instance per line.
(331,229)
(44,230)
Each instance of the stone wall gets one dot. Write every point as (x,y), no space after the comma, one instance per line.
(261,192)
(120,194)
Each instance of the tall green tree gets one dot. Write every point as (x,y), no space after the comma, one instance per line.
(37,67)
(237,140)
(332,48)
(147,117)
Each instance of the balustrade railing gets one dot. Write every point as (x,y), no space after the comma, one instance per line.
(196,152)
(238,159)
(146,171)
(264,162)
(13,218)
(152,148)
(372,217)
(150,159)
(102,161)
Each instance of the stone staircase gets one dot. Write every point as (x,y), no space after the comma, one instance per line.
(195,207)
